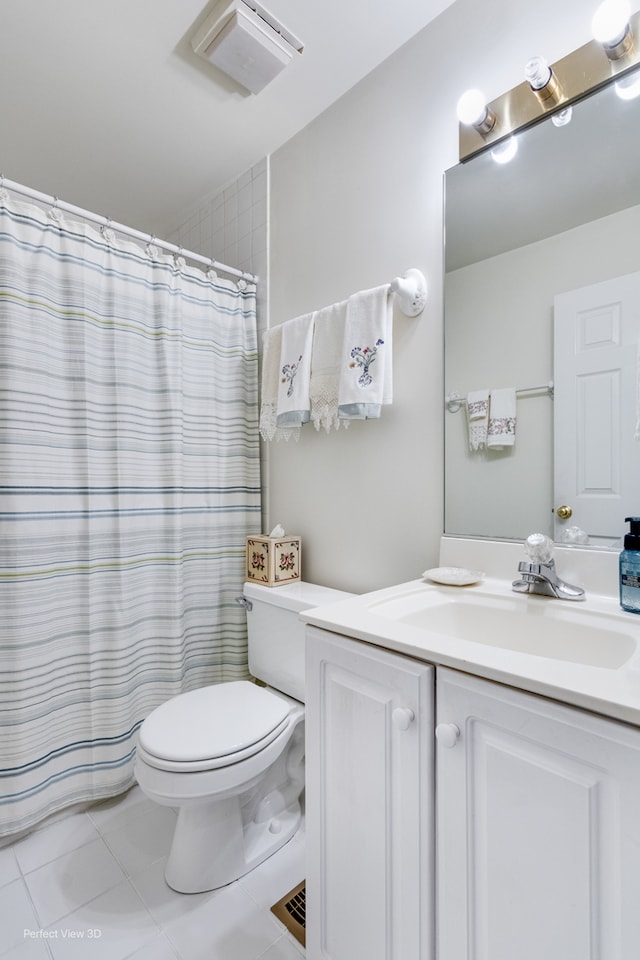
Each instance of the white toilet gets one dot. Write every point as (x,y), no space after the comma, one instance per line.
(230,756)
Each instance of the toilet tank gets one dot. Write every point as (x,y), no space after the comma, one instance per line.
(276,635)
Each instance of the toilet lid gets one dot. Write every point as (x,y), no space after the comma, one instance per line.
(212,722)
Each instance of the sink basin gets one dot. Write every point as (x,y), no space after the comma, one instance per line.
(536,626)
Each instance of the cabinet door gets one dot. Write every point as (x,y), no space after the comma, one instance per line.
(369,802)
(538,809)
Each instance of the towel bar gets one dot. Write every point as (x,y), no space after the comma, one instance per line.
(411,292)
(455,401)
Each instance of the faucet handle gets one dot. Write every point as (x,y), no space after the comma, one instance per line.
(539,548)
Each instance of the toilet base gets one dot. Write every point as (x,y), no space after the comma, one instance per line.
(230,818)
(211,848)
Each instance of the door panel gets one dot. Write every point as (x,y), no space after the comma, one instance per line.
(370,821)
(597,460)
(537,828)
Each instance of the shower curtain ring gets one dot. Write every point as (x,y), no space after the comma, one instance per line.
(55,213)
(211,272)
(106,231)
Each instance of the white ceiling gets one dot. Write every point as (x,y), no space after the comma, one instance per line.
(105,105)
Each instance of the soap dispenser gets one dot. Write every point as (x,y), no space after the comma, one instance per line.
(630,568)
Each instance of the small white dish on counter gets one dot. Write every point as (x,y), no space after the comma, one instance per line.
(454,576)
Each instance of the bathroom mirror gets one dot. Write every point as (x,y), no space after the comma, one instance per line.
(520,239)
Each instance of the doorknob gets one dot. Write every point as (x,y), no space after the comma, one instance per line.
(447,734)
(403,717)
(564,512)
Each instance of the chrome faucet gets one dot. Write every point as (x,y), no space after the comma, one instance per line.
(539,572)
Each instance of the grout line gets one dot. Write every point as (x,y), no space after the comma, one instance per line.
(126,818)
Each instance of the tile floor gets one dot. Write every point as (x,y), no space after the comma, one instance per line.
(91,886)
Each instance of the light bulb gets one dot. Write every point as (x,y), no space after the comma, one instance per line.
(610,22)
(538,73)
(628,88)
(562,117)
(505,151)
(472,108)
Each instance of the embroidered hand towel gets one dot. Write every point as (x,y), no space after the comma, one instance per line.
(477,418)
(366,373)
(294,406)
(270,379)
(328,335)
(502,419)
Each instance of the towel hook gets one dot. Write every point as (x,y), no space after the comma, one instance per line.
(411,291)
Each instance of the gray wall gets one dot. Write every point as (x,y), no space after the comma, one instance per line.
(355,199)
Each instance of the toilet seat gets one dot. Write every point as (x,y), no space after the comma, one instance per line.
(212,727)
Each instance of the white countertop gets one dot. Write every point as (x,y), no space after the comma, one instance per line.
(613,691)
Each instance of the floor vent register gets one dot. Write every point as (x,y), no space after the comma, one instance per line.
(291,911)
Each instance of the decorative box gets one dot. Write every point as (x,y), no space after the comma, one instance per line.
(273,560)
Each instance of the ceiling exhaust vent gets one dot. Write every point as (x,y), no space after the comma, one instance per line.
(246,42)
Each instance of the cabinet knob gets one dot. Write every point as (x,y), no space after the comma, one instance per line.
(447,734)
(403,717)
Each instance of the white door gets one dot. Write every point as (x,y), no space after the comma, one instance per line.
(538,833)
(597,460)
(369,802)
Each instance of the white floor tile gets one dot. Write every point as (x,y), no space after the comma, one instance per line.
(110,927)
(228,926)
(28,950)
(163,903)
(114,813)
(157,949)
(53,841)
(16,916)
(143,839)
(75,888)
(274,877)
(60,887)
(284,949)
(9,869)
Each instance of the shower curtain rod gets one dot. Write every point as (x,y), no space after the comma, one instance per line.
(123,229)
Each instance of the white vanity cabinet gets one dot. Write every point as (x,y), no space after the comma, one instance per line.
(538,820)
(537,816)
(369,802)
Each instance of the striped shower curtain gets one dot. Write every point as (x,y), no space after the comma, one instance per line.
(129,480)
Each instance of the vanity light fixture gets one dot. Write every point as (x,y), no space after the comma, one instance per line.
(474,112)
(562,117)
(505,151)
(628,87)
(612,58)
(611,28)
(543,81)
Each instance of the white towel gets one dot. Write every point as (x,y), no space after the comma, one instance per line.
(366,377)
(328,335)
(269,394)
(270,377)
(477,418)
(269,430)
(294,405)
(502,419)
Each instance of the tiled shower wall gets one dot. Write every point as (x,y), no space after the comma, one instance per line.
(232,227)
